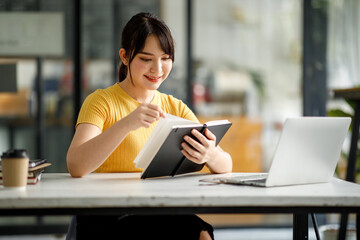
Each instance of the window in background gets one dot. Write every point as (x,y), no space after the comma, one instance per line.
(343,44)
(248,65)
(19,125)
(343,59)
(343,55)
(101,22)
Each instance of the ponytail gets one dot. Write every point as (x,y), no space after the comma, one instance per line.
(122,72)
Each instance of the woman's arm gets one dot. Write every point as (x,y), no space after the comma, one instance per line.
(90,147)
(205,151)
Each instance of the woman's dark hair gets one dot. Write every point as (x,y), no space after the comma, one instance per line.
(135,34)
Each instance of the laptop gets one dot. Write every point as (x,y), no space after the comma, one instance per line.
(307,152)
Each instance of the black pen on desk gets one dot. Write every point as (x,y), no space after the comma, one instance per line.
(36,162)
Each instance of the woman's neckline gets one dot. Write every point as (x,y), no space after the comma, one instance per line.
(127,93)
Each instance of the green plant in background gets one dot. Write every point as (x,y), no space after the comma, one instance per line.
(342,113)
(258,83)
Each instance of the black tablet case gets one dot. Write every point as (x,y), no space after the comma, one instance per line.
(169,160)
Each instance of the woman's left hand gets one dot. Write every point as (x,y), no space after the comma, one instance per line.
(201,151)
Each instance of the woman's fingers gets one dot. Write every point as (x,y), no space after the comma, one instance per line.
(199,150)
(190,157)
(145,115)
(156,110)
(195,144)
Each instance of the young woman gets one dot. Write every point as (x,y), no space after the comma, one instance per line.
(114,123)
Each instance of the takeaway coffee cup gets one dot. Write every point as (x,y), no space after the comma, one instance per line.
(15,164)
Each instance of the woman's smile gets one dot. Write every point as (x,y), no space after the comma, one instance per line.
(153,79)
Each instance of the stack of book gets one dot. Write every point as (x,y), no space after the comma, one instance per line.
(36,167)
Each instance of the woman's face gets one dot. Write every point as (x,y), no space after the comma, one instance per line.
(151,66)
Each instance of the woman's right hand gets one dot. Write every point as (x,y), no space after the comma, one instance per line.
(90,147)
(144,116)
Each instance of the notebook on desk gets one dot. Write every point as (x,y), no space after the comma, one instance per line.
(307,152)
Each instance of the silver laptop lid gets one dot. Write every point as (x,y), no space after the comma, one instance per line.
(308,150)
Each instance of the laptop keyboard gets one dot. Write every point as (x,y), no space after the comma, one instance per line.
(256,181)
(256,178)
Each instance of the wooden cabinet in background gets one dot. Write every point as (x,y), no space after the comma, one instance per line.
(242,142)
(14,104)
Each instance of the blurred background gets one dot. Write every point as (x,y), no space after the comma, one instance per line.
(253,62)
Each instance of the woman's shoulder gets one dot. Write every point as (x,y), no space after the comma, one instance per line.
(105,91)
(102,93)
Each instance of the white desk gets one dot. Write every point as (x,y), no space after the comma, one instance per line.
(58,194)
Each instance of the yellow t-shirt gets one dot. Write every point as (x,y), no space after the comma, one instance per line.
(104,107)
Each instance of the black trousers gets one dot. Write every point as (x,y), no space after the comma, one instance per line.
(159,227)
